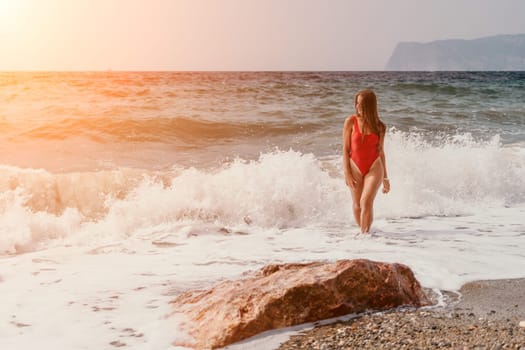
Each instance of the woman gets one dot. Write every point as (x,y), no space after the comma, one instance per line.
(363,157)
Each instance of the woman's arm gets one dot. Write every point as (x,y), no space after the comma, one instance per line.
(386,181)
(347,133)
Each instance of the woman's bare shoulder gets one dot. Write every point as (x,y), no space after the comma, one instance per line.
(349,120)
(382,128)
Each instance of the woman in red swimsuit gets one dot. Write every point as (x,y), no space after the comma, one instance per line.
(363,157)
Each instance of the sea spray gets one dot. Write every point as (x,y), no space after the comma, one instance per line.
(451,176)
(280,189)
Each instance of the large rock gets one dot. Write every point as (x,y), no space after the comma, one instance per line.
(284,295)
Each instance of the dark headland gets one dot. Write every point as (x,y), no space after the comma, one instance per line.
(494,53)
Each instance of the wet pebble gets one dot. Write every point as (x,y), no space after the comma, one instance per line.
(412,329)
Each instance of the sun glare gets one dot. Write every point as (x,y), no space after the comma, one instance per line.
(9,11)
(6,6)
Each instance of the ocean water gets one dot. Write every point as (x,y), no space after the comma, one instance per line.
(120,190)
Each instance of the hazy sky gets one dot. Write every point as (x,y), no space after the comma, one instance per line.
(236,34)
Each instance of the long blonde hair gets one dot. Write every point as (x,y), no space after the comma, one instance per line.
(370,115)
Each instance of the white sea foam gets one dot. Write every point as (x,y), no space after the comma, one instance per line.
(281,189)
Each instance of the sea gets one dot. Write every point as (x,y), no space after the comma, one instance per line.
(121,190)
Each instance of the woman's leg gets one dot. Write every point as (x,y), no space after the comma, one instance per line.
(371,182)
(356,193)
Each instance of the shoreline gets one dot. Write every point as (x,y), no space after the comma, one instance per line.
(484,314)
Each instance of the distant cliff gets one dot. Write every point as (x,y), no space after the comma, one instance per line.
(501,52)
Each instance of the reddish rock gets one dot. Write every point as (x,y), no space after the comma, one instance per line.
(285,295)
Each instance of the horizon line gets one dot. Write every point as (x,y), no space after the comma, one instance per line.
(244,71)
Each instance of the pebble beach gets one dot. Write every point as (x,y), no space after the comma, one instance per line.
(483,315)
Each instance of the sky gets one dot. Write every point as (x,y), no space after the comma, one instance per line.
(238,35)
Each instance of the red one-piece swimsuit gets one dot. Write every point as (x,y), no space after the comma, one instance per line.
(364,148)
